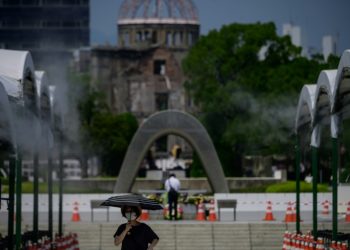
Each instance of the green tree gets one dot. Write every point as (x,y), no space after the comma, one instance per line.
(111,135)
(102,133)
(246,80)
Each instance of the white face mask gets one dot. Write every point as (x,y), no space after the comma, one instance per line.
(130,216)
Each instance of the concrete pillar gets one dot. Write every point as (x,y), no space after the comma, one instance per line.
(160,36)
(132,37)
(186,39)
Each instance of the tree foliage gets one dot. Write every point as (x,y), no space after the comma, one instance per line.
(246,79)
(111,135)
(103,133)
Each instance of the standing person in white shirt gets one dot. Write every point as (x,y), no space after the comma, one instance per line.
(172,186)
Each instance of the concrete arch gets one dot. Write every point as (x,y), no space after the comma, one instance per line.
(305,107)
(178,123)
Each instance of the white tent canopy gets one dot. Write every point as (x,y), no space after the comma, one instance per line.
(16,64)
(342,85)
(42,83)
(43,93)
(13,87)
(326,101)
(6,120)
(306,106)
(325,90)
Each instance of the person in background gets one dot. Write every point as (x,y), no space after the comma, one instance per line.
(172,186)
(134,235)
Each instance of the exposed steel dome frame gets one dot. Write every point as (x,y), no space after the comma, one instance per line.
(158,11)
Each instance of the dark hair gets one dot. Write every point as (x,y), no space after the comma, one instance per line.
(172,175)
(134,209)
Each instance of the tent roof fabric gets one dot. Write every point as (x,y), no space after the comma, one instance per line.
(325,85)
(344,63)
(306,105)
(6,120)
(12,87)
(16,64)
(342,87)
(321,100)
(42,83)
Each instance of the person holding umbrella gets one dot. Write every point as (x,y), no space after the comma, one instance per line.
(134,235)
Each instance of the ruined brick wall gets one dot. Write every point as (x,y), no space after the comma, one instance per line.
(129,80)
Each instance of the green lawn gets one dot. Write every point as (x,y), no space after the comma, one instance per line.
(27,188)
(290,187)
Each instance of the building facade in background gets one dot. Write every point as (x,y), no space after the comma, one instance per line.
(294,32)
(328,46)
(49,29)
(142,74)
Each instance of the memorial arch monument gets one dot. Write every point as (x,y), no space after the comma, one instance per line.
(164,123)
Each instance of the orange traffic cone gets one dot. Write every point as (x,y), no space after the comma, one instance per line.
(347,216)
(75,214)
(285,241)
(29,246)
(76,242)
(47,243)
(144,215)
(212,214)
(344,246)
(311,246)
(320,245)
(269,215)
(325,210)
(334,245)
(293,242)
(200,212)
(294,213)
(308,242)
(289,213)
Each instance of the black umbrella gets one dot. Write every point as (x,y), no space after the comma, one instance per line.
(132,200)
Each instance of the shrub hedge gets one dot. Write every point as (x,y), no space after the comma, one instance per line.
(290,187)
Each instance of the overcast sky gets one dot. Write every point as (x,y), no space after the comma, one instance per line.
(315,17)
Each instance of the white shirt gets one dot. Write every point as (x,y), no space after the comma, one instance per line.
(173,182)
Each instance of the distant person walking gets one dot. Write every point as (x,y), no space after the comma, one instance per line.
(172,186)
